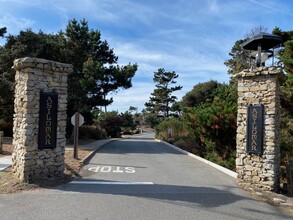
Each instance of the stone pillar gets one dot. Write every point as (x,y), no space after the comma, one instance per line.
(30,162)
(259,86)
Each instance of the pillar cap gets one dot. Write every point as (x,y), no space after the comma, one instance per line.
(42,64)
(261,71)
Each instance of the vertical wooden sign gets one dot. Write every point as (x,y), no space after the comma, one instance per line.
(48,120)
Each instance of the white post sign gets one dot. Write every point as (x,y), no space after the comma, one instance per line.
(80,119)
(77,120)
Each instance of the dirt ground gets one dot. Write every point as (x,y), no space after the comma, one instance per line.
(9,184)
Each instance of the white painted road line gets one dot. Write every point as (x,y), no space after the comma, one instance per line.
(110,183)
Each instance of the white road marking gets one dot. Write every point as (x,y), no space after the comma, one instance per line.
(112,169)
(110,183)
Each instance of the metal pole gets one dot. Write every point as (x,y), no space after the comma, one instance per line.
(76,134)
(273,57)
(1,140)
(258,62)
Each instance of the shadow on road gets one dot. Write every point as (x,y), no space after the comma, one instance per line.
(203,196)
(186,196)
(136,145)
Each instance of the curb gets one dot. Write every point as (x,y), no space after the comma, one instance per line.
(218,167)
(85,160)
(6,162)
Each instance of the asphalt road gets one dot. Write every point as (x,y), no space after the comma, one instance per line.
(139,178)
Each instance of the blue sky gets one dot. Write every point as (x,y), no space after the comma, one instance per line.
(191,37)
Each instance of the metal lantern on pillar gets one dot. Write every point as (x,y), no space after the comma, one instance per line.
(262,47)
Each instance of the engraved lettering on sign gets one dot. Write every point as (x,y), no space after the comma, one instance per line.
(254,130)
(254,142)
(48,128)
(48,120)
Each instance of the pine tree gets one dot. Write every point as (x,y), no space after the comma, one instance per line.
(2,31)
(161,99)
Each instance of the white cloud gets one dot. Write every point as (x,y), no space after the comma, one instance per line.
(213,5)
(191,37)
(131,51)
(15,24)
(269,5)
(135,96)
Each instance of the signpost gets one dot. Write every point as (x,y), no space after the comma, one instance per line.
(77,120)
(1,140)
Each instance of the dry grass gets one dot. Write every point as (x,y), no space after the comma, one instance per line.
(9,184)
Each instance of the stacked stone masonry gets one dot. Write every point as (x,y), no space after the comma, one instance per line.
(259,86)
(33,75)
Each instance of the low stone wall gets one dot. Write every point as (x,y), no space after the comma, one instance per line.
(33,75)
(259,86)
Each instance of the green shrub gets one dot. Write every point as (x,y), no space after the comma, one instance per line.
(178,129)
(112,123)
(187,144)
(213,124)
(7,127)
(212,156)
(92,131)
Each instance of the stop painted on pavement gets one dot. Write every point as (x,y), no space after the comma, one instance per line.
(112,169)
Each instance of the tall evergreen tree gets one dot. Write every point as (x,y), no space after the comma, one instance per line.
(2,31)
(83,44)
(286,56)
(76,45)
(26,43)
(99,81)
(161,99)
(240,58)
(200,94)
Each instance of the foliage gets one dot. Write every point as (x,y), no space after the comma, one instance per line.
(208,123)
(92,132)
(150,119)
(6,127)
(161,99)
(213,124)
(133,109)
(2,31)
(99,81)
(96,72)
(200,94)
(26,43)
(127,120)
(112,123)
(287,136)
(177,126)
(239,57)
(286,56)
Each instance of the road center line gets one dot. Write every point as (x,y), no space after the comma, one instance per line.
(110,183)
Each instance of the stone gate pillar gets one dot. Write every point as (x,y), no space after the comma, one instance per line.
(40,119)
(258,131)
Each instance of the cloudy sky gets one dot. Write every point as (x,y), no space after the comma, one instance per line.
(191,37)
